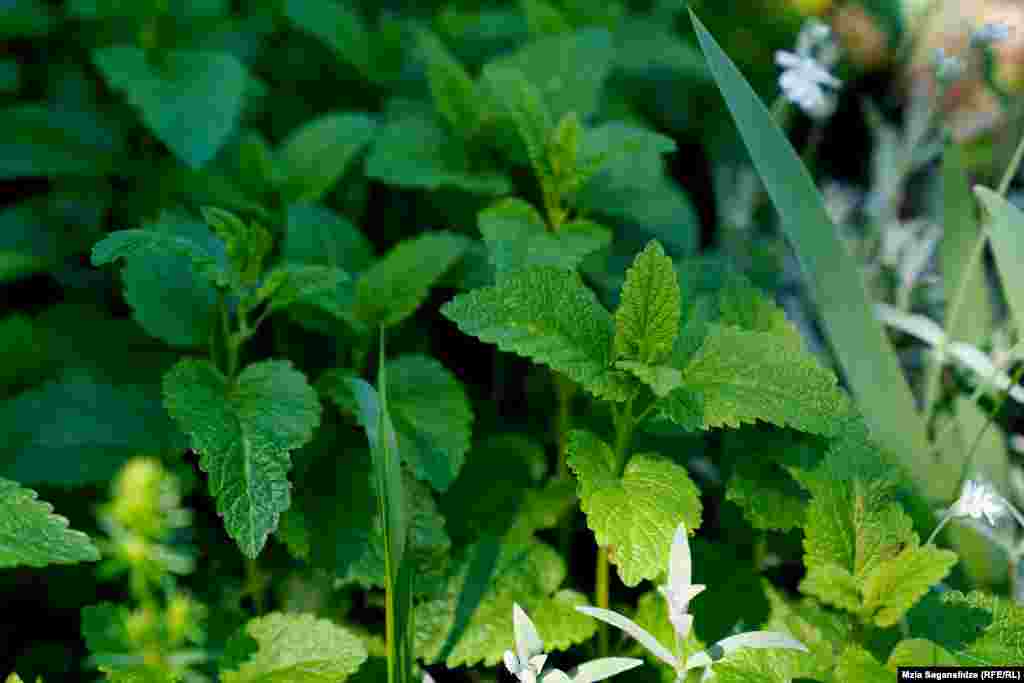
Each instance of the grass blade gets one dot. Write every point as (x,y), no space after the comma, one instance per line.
(863,351)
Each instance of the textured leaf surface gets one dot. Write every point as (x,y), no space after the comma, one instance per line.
(452,89)
(999,641)
(169,299)
(80,430)
(741,376)
(244,431)
(417,152)
(432,417)
(857,664)
(662,379)
(31,535)
(192,104)
(517,238)
(300,283)
(764,666)
(896,585)
(1004,230)
(527,574)
(164,244)
(298,648)
(395,286)
(824,631)
(647,319)
(919,652)
(549,316)
(315,234)
(314,156)
(41,141)
(636,514)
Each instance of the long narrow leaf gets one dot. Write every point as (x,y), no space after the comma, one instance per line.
(866,356)
(1006,232)
(373,413)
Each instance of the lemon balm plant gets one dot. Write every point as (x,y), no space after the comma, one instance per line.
(388,326)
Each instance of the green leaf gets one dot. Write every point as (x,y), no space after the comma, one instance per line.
(160,244)
(416,152)
(825,632)
(1000,641)
(454,92)
(1004,230)
(662,379)
(315,234)
(300,283)
(517,238)
(616,141)
(31,535)
(919,652)
(635,513)
(394,287)
(80,430)
(549,316)
(298,648)
(529,575)
(532,119)
(960,232)
(743,305)
(191,102)
(857,664)
(26,19)
(340,27)
(432,417)
(41,141)
(864,353)
(751,665)
(740,376)
(896,585)
(544,19)
(768,496)
(168,298)
(647,319)
(247,245)
(314,156)
(244,430)
(568,70)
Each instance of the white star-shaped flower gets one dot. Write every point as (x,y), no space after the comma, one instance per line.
(805,78)
(978,499)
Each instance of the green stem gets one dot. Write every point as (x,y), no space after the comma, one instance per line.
(564,395)
(624,425)
(938,527)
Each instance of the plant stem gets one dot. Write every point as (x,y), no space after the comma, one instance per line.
(564,395)
(602,599)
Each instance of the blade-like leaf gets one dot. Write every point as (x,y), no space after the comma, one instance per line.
(867,358)
(1005,231)
(635,630)
(960,230)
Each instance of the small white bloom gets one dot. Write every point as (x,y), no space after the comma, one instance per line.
(680,590)
(805,79)
(978,499)
(991,32)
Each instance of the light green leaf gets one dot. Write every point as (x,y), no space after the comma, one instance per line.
(192,103)
(662,379)
(857,664)
(825,632)
(394,287)
(432,417)
(1004,231)
(634,514)
(743,305)
(531,117)
(169,299)
(765,666)
(314,156)
(248,244)
(960,231)
(244,431)
(567,70)
(549,316)
(527,574)
(455,95)
(919,652)
(616,141)
(768,496)
(647,319)
(340,27)
(41,141)
(517,238)
(79,430)
(31,535)
(897,584)
(416,152)
(298,648)
(740,376)
(864,353)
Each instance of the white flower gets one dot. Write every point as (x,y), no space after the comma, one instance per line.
(527,662)
(979,499)
(678,594)
(805,79)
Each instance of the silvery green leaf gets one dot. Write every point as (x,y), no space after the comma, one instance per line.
(635,630)
(556,676)
(915,325)
(528,643)
(600,669)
